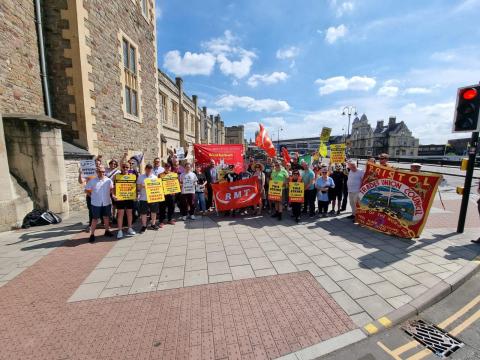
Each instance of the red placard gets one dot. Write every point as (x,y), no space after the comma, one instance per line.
(231,154)
(395,201)
(237,194)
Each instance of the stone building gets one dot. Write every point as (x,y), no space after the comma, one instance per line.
(393,138)
(235,135)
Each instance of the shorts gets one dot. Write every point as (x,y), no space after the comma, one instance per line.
(145,206)
(101,211)
(124,205)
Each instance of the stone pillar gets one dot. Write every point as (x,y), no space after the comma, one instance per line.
(197,119)
(181,113)
(5,183)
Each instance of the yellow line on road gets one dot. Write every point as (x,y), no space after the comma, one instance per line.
(388,351)
(459,313)
(420,355)
(466,324)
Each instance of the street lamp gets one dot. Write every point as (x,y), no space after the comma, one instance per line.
(278,138)
(349,110)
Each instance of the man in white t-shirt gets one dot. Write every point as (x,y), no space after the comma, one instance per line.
(100,191)
(144,207)
(354,184)
(188,181)
(157,167)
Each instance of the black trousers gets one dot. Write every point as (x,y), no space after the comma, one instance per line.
(89,207)
(345,198)
(323,206)
(296,209)
(309,203)
(209,196)
(167,208)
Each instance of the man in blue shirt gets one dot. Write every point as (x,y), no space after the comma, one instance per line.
(308,178)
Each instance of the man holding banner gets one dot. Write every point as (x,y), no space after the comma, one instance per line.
(144,205)
(278,181)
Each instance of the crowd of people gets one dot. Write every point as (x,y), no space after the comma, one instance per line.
(327,189)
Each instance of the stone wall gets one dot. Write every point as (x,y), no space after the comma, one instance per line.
(20,84)
(76,192)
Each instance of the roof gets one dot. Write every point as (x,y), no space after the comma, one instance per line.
(71,150)
(41,118)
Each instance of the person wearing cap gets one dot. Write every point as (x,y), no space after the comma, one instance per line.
(144,207)
(167,207)
(383,159)
(415,167)
(336,193)
(354,183)
(100,191)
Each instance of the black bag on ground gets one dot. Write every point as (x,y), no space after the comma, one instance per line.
(38,217)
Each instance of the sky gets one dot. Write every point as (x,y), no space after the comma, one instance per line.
(295,65)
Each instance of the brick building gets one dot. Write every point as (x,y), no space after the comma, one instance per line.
(235,135)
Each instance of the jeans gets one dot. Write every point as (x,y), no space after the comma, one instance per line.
(187,204)
(309,203)
(353,198)
(201,204)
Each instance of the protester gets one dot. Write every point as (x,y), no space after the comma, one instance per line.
(383,158)
(345,188)
(295,165)
(124,207)
(415,167)
(100,191)
(478,207)
(167,207)
(336,193)
(371,160)
(144,206)
(112,169)
(188,181)
(134,167)
(354,184)
(308,178)
(279,174)
(157,167)
(88,199)
(323,184)
(211,176)
(176,167)
(251,165)
(200,190)
(261,185)
(268,172)
(296,206)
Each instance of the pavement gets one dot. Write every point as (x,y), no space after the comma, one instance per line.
(218,288)
(457,314)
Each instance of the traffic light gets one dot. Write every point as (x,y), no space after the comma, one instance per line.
(467,110)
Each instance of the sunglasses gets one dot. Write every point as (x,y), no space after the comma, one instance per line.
(295,174)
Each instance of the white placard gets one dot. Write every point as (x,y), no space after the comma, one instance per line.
(89,169)
(180,153)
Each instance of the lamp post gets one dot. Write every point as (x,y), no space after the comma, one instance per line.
(349,110)
(278,138)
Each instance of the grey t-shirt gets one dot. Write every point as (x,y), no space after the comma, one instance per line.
(354,181)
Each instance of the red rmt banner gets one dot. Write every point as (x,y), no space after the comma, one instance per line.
(230,154)
(394,201)
(237,194)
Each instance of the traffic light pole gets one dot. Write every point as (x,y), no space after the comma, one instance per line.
(472,152)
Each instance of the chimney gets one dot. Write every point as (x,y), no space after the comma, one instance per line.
(204,109)
(379,124)
(391,121)
(195,100)
(179,82)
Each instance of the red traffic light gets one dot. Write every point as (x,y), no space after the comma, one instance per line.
(469,94)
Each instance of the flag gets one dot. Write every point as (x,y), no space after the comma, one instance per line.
(285,154)
(322,149)
(263,141)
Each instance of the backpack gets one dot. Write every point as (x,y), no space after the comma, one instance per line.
(39,217)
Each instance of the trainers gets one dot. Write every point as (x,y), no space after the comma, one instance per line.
(130,231)
(143,229)
(332,212)
(154,227)
(108,233)
(92,238)
(192,217)
(120,234)
(184,218)
(171,222)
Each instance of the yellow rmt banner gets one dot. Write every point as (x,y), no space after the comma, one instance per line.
(125,187)
(275,190)
(154,190)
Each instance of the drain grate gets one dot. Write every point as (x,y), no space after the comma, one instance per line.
(438,341)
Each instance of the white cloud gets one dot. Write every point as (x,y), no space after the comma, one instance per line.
(229,102)
(233,59)
(335,33)
(417,91)
(389,91)
(189,64)
(288,53)
(345,7)
(267,79)
(341,83)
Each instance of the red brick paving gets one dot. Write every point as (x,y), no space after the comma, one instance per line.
(450,219)
(247,319)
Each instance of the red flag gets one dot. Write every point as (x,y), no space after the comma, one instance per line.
(263,141)
(285,154)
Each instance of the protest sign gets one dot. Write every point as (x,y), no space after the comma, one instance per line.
(237,194)
(230,154)
(88,168)
(125,187)
(325,134)
(275,190)
(180,153)
(337,153)
(154,190)
(396,201)
(296,192)
(170,183)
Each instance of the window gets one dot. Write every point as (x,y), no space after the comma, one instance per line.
(144,4)
(192,123)
(174,114)
(130,79)
(163,109)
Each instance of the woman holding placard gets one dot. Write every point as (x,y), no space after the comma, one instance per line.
(124,206)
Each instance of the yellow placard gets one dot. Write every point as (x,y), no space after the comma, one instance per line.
(296,192)
(170,183)
(337,153)
(154,190)
(325,134)
(275,190)
(125,187)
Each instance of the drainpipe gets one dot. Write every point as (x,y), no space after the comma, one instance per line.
(43,66)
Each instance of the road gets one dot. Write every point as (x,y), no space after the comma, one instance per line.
(458,314)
